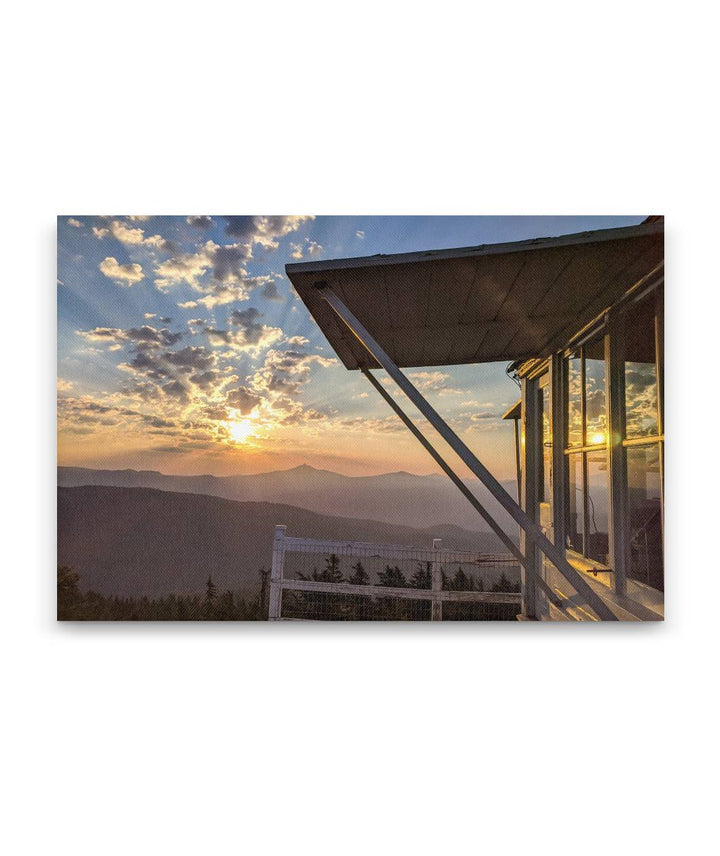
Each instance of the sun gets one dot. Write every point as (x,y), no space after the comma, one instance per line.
(240,431)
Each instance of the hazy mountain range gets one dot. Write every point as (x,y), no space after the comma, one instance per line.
(133,541)
(400,498)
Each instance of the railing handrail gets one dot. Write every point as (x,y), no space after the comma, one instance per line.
(435,556)
(373,549)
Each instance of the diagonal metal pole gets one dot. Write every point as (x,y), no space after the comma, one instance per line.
(528,525)
(463,488)
(449,472)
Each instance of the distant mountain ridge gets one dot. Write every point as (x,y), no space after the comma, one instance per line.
(142,541)
(401,498)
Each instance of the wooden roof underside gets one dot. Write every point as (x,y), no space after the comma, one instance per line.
(479,304)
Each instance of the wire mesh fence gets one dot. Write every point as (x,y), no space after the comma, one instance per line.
(352,581)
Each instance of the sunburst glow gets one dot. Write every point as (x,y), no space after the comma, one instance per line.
(240,431)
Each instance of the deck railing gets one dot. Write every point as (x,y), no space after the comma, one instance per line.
(427,579)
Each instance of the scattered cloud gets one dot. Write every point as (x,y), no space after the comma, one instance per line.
(132,235)
(312,248)
(228,281)
(123,274)
(200,221)
(145,335)
(270,291)
(434,381)
(76,223)
(248,333)
(264,230)
(243,399)
(287,371)
(360,234)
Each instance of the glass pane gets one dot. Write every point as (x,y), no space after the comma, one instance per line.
(598,540)
(575,526)
(547,446)
(574,375)
(595,409)
(645,513)
(641,393)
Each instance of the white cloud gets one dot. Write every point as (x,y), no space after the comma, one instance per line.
(314,249)
(229,281)
(186,267)
(360,234)
(200,221)
(132,236)
(123,274)
(264,230)
(243,340)
(434,382)
(76,223)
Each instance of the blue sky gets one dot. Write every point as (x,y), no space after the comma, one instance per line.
(182,346)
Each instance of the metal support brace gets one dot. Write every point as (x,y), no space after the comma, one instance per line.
(462,487)
(556,553)
(447,469)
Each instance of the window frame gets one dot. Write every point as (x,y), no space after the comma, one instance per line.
(655,294)
(585,448)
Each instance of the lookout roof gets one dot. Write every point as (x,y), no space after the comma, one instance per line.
(478,304)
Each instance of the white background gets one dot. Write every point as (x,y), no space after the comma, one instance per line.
(321,739)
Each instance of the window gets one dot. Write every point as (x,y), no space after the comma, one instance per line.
(546,441)
(595,405)
(645,513)
(598,507)
(586,447)
(643,442)
(575,388)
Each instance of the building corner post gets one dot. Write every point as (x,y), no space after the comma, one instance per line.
(529,455)
(615,397)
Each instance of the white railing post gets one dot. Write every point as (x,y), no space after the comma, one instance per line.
(276,575)
(436,614)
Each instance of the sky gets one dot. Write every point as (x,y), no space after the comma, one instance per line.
(183,348)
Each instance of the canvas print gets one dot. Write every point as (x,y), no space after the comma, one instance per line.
(360,418)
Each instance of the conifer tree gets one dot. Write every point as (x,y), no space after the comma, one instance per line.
(359,576)
(68,591)
(210,597)
(331,573)
(392,577)
(461,581)
(422,578)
